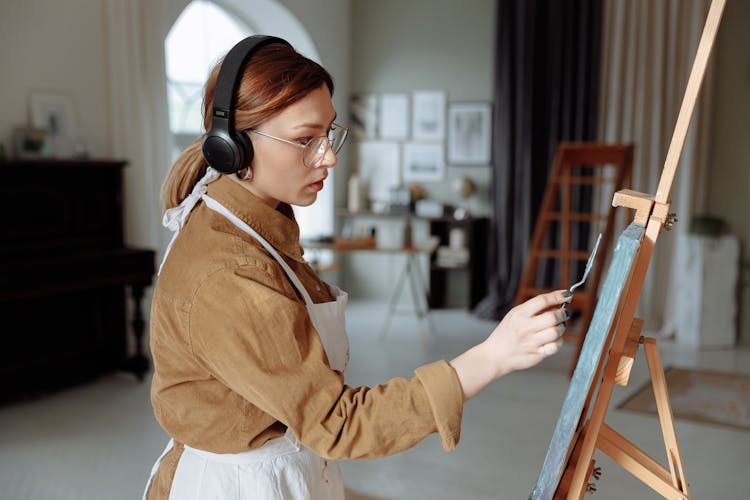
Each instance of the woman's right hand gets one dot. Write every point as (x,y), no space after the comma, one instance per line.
(529,332)
(526,335)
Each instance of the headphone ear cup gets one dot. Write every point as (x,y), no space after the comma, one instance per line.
(221,152)
(243,142)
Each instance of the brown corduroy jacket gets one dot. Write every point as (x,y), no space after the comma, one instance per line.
(237,359)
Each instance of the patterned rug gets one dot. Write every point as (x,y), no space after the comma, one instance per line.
(705,396)
(353,495)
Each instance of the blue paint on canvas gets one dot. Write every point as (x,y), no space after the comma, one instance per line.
(591,352)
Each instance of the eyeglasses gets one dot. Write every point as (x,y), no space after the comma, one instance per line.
(315,148)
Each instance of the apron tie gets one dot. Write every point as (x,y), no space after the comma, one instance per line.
(175,218)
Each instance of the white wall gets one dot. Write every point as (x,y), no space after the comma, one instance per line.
(444,45)
(54,46)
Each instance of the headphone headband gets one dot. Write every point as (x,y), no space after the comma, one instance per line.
(223,148)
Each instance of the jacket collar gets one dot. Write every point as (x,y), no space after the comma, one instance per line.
(278,226)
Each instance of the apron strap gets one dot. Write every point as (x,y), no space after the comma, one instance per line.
(218,207)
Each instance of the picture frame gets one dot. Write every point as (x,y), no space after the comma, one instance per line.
(364,116)
(423,162)
(428,115)
(393,116)
(378,163)
(55,113)
(469,133)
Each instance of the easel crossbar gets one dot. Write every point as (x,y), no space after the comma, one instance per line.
(638,463)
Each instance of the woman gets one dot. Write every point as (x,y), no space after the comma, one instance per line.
(248,343)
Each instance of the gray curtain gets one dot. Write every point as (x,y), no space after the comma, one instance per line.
(546,81)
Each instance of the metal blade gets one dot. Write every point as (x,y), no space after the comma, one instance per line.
(589,264)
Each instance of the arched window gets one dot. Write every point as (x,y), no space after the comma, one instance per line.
(202,34)
(198,39)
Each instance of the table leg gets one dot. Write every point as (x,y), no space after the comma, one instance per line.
(138,363)
(418,291)
(394,299)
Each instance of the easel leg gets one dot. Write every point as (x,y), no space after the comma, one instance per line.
(666,418)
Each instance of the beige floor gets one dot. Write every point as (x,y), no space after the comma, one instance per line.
(98,441)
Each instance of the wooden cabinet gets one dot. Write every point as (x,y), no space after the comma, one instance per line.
(475,232)
(67,276)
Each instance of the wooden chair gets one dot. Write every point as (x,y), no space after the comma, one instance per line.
(556,261)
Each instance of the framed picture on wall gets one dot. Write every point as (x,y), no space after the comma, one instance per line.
(54,113)
(393,116)
(423,162)
(364,116)
(428,115)
(469,133)
(378,163)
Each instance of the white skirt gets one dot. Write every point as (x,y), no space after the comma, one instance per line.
(281,469)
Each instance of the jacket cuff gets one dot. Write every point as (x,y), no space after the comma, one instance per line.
(446,399)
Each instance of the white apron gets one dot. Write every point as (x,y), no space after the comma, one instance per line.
(282,468)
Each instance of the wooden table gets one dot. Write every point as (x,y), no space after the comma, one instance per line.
(410,273)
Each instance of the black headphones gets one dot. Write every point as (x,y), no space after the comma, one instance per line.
(225,149)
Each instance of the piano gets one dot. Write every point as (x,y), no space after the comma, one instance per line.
(71,292)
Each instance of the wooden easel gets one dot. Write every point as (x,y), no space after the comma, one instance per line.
(576,166)
(574,445)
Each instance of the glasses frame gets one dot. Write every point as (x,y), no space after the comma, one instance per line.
(345,132)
